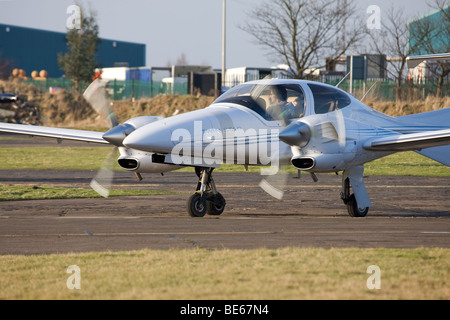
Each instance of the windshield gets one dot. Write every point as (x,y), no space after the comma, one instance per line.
(272,102)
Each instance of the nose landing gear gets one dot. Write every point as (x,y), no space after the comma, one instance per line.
(206,199)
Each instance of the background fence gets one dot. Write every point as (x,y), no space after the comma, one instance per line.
(117,89)
(136,89)
(387,90)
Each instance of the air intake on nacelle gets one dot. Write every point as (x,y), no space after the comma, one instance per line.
(303,163)
(128,164)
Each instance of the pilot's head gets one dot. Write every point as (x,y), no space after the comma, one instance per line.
(278,94)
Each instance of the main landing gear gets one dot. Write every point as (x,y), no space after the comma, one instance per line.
(206,199)
(349,199)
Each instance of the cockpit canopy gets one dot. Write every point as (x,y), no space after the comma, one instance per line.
(268,100)
(275,101)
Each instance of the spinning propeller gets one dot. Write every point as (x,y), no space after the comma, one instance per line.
(96,95)
(297,134)
(276,176)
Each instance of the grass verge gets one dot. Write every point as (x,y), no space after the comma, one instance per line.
(29,192)
(91,158)
(287,273)
(57,158)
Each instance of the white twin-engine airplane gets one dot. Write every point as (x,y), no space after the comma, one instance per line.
(315,127)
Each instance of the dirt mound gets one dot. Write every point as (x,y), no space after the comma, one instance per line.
(70,109)
(63,108)
(160,105)
(66,108)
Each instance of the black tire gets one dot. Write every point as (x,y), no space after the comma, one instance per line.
(196,206)
(216,205)
(353,210)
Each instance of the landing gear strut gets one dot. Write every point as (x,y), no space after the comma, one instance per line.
(350,200)
(206,199)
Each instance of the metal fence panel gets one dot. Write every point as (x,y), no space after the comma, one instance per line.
(137,89)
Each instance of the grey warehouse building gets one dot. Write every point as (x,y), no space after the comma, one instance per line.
(34,49)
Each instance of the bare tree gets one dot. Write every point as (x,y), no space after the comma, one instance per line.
(181,60)
(443,7)
(393,40)
(432,35)
(302,33)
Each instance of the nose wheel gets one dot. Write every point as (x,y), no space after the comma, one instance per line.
(206,199)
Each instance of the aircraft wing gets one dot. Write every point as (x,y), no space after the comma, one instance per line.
(411,141)
(57,133)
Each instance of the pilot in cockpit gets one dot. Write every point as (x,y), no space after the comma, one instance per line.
(279,107)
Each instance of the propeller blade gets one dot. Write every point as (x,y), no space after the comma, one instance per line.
(96,95)
(340,127)
(275,185)
(276,176)
(102,181)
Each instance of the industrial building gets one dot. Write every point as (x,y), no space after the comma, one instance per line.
(435,26)
(34,50)
(438,39)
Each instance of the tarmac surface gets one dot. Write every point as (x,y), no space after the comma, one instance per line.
(407,212)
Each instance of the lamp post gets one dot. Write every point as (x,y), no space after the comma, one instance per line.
(223,40)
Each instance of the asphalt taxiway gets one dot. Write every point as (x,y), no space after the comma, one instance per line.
(407,212)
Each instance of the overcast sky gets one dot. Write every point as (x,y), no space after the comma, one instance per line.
(170,28)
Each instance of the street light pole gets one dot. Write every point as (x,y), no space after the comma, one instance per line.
(223,40)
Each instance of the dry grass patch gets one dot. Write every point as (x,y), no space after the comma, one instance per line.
(69,109)
(406,107)
(287,273)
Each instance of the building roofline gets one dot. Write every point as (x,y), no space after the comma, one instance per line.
(2,25)
(425,15)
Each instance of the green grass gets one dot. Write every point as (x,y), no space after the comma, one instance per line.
(91,158)
(402,163)
(287,273)
(406,163)
(29,192)
(58,158)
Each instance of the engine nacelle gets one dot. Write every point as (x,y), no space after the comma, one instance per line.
(132,159)
(319,163)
